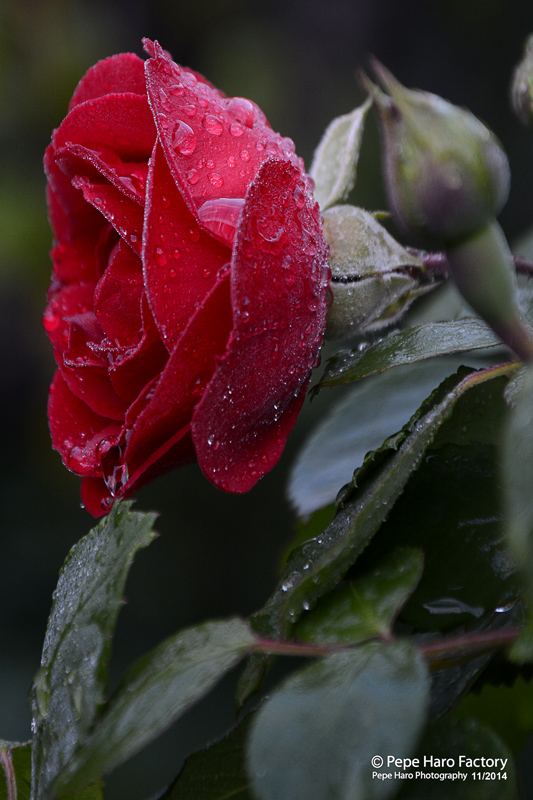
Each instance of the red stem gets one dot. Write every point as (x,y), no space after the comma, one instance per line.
(7,763)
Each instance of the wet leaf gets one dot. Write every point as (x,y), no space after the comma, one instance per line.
(69,688)
(508,710)
(335,161)
(315,737)
(365,607)
(317,566)
(216,773)
(518,477)
(156,691)
(452,510)
(359,423)
(460,740)
(408,346)
(518,465)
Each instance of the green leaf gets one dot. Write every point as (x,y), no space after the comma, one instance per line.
(508,710)
(408,346)
(359,423)
(335,161)
(69,688)
(216,773)
(15,771)
(518,470)
(317,566)
(459,740)
(365,607)
(452,510)
(156,691)
(315,737)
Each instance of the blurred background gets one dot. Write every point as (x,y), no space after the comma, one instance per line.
(217,554)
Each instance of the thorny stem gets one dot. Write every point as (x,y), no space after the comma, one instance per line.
(7,763)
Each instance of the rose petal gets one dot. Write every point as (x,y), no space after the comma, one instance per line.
(279,278)
(169,407)
(76,430)
(121,73)
(124,215)
(214,145)
(78,256)
(181,261)
(117,297)
(128,177)
(95,496)
(120,124)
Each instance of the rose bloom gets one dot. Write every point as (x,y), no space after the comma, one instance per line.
(188,296)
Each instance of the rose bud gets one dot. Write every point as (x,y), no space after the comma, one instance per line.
(446,178)
(522,85)
(374,279)
(188,297)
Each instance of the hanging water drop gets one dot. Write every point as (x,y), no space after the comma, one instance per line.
(213,124)
(184,139)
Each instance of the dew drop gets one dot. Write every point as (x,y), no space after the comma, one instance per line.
(164,102)
(193,234)
(232,161)
(242,110)
(161,257)
(184,139)
(189,109)
(165,201)
(213,124)
(216,179)
(221,216)
(236,129)
(193,176)
(245,155)
(176,254)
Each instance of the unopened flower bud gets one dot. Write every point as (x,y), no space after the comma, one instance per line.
(446,173)
(447,177)
(374,279)
(522,85)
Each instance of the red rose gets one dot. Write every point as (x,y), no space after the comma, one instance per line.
(188,297)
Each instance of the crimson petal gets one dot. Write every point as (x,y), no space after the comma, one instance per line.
(214,145)
(76,430)
(121,73)
(124,215)
(279,279)
(169,407)
(181,261)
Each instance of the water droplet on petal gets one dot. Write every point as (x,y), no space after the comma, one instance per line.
(165,201)
(242,110)
(236,129)
(184,139)
(221,216)
(161,257)
(245,155)
(213,124)
(193,176)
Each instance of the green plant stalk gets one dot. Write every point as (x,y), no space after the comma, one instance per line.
(482,267)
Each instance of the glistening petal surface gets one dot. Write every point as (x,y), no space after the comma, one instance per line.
(279,278)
